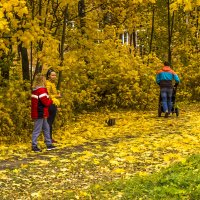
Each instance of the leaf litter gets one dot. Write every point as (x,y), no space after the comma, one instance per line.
(139,143)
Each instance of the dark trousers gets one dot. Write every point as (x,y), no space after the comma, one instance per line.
(52,116)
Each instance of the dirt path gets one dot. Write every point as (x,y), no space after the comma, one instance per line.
(16,161)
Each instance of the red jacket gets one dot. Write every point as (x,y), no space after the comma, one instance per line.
(39,103)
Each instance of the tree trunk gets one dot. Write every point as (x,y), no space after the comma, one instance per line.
(197,29)
(25,62)
(134,39)
(152,30)
(62,45)
(31,70)
(170,30)
(81,14)
(38,68)
(169,34)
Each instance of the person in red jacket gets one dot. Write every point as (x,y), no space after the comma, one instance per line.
(40,103)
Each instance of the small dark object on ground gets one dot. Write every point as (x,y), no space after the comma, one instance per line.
(111,121)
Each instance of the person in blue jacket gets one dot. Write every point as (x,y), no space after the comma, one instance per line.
(164,78)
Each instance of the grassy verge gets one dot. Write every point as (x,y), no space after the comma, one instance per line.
(180,181)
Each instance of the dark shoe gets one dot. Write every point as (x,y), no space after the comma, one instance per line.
(36,149)
(166,115)
(50,147)
(54,141)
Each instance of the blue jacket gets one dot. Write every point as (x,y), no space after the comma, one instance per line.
(165,76)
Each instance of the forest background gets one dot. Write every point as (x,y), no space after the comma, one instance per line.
(106,54)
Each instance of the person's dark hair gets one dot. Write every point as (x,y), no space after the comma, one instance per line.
(166,63)
(49,72)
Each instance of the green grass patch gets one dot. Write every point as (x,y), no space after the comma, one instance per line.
(180,181)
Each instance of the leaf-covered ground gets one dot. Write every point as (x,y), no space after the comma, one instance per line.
(90,152)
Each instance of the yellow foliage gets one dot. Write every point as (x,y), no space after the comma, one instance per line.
(119,171)
(36,195)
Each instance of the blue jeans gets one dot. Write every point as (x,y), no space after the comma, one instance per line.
(166,95)
(39,125)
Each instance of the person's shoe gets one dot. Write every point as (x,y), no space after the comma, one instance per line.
(50,147)
(166,115)
(54,141)
(36,149)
